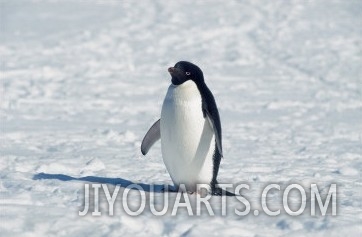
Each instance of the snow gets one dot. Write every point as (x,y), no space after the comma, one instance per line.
(82,81)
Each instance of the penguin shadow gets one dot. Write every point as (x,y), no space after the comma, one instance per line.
(155,188)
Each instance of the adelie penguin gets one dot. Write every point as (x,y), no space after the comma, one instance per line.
(189,129)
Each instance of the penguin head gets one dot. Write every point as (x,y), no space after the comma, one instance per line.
(184,71)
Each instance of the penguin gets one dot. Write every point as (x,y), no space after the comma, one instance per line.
(189,129)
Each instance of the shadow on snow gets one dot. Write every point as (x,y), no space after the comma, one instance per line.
(157,188)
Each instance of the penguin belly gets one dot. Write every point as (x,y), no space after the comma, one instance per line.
(187,138)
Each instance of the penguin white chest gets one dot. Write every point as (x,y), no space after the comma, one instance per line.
(187,138)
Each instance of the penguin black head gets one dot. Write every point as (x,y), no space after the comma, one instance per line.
(184,71)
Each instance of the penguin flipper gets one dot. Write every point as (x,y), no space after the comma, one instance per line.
(152,136)
(215,124)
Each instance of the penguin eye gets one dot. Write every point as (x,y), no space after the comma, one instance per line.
(188,73)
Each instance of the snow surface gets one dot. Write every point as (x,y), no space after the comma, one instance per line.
(82,81)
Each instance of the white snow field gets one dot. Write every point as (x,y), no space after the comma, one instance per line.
(82,82)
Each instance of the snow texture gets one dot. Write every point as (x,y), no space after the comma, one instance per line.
(82,81)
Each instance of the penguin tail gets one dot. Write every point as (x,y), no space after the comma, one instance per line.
(216,191)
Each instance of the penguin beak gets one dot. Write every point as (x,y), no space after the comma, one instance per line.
(175,71)
(171,70)
(176,75)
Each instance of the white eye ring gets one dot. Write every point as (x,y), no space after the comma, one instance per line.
(188,73)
